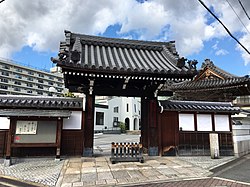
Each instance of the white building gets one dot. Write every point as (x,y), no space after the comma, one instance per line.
(118,109)
(17,79)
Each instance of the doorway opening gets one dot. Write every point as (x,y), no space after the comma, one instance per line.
(115,120)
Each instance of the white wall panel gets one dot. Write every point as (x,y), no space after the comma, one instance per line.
(74,122)
(221,122)
(186,122)
(204,122)
(4,123)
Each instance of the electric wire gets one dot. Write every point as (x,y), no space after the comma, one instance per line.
(201,2)
(244,9)
(238,16)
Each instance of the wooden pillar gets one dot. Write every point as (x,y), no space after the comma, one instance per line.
(58,137)
(89,126)
(153,128)
(144,124)
(7,161)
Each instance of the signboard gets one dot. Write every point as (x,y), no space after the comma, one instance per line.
(26,127)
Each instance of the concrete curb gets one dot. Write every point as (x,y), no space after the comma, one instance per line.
(226,165)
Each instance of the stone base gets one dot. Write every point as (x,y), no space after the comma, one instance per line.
(7,162)
(153,151)
(88,152)
(214,145)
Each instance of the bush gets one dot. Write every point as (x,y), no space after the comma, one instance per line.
(122,127)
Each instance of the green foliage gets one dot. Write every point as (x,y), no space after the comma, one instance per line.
(68,94)
(122,127)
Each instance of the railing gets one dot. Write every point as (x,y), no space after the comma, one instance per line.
(126,152)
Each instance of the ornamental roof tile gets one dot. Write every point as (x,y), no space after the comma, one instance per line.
(199,106)
(13,101)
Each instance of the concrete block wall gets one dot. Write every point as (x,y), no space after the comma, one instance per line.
(241,139)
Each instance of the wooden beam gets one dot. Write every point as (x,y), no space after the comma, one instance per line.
(89,126)
(58,137)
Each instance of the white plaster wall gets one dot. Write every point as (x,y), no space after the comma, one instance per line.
(204,122)
(4,123)
(241,139)
(186,122)
(74,122)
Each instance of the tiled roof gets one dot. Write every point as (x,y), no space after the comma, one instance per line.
(209,84)
(199,106)
(14,101)
(34,113)
(85,52)
(209,64)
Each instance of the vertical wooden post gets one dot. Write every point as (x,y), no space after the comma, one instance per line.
(7,161)
(213,122)
(89,126)
(153,134)
(58,137)
(144,123)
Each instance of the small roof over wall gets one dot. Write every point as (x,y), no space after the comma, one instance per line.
(38,106)
(199,106)
(17,101)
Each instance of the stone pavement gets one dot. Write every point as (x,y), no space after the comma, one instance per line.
(43,171)
(98,171)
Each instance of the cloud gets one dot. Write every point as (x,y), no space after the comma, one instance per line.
(221,52)
(40,24)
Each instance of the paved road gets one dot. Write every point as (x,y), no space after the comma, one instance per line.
(239,171)
(198,182)
(6,182)
(102,142)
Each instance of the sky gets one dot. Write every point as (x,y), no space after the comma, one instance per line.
(31,30)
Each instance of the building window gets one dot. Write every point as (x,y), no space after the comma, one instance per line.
(40,75)
(40,86)
(50,94)
(5,73)
(17,76)
(29,78)
(50,83)
(115,122)
(6,67)
(135,107)
(59,79)
(4,80)
(99,118)
(17,89)
(39,93)
(116,109)
(51,78)
(127,107)
(18,70)
(29,91)
(29,85)
(4,87)
(30,73)
(17,82)
(40,80)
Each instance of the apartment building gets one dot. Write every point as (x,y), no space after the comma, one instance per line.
(17,79)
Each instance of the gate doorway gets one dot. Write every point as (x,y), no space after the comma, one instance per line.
(99,66)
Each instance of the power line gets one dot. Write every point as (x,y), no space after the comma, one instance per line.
(2,1)
(201,2)
(244,9)
(238,16)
